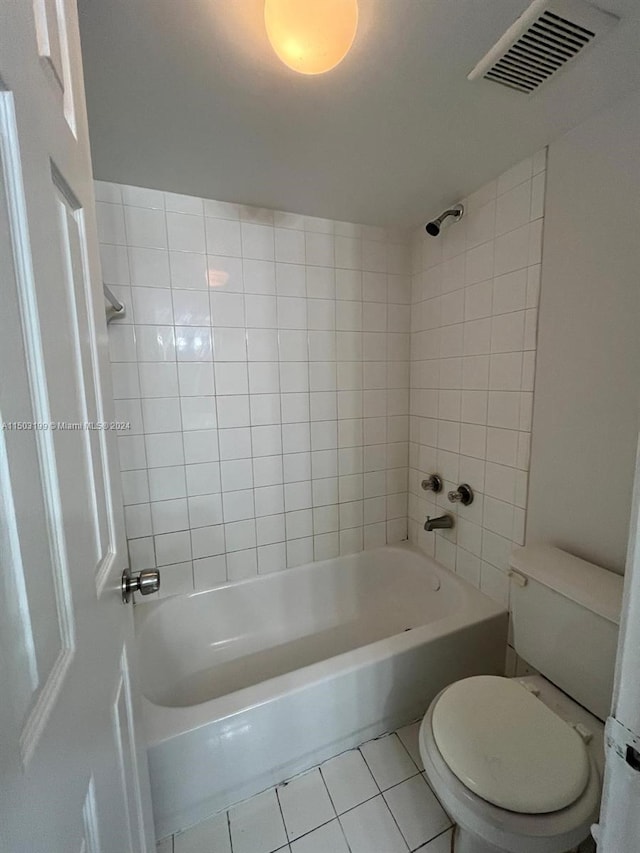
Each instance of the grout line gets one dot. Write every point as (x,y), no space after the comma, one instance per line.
(284,823)
(427,843)
(228,816)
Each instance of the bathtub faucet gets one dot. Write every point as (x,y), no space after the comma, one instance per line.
(443,522)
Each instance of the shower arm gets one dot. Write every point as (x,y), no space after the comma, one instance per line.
(433,227)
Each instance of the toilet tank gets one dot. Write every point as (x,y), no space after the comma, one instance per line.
(566,614)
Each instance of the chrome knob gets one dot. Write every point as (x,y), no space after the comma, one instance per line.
(464,494)
(144,582)
(432,483)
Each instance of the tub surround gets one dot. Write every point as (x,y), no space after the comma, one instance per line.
(473,345)
(349,648)
(263,363)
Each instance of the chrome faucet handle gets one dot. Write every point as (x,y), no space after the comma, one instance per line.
(432,483)
(463,494)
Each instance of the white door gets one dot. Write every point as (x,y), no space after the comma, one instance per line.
(619,830)
(73,772)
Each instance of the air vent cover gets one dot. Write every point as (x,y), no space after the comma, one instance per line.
(548,35)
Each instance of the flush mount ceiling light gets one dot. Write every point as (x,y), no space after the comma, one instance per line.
(311,36)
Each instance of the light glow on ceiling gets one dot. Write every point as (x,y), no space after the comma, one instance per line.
(311,36)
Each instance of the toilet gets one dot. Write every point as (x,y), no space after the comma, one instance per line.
(517,762)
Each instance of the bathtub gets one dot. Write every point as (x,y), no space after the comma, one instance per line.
(252,682)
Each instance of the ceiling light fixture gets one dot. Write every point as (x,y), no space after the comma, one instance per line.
(311,36)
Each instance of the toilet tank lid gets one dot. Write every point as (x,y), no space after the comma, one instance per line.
(591,586)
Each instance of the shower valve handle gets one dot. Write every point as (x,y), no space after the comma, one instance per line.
(432,483)
(463,494)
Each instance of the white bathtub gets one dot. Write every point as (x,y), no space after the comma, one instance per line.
(250,683)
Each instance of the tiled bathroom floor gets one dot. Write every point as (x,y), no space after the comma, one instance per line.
(369,800)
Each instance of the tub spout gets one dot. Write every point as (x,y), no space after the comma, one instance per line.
(443,522)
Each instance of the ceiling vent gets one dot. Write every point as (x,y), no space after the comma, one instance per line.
(548,35)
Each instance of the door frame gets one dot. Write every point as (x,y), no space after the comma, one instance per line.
(619,827)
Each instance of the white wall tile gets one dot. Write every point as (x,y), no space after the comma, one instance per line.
(515,175)
(512,250)
(193,343)
(164,449)
(223,272)
(229,344)
(185,232)
(479,263)
(138,521)
(504,409)
(319,249)
(189,271)
(161,415)
(227,309)
(249,418)
(147,267)
(191,308)
(169,515)
(264,377)
(513,208)
(223,237)
(105,191)
(198,413)
(471,410)
(299,552)
(110,218)
(172,548)
(195,379)
(203,478)
(205,510)
(167,483)
(143,197)
(145,227)
(270,529)
(262,344)
(153,343)
(510,292)
(477,301)
(200,446)
(152,305)
(272,558)
(209,572)
(231,377)
(290,279)
(135,487)
(258,241)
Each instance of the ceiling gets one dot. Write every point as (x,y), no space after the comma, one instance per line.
(187,96)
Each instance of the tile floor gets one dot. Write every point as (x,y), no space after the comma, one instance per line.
(369,800)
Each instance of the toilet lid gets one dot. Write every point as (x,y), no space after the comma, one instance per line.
(508,747)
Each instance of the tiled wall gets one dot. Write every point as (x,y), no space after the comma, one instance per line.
(473,341)
(263,363)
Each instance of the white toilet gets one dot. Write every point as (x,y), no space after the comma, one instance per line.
(517,762)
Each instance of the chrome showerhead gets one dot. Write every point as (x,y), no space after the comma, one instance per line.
(433,228)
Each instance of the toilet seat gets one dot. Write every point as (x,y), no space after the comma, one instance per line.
(503,830)
(508,747)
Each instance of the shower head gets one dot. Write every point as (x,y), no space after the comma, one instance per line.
(433,228)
